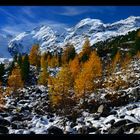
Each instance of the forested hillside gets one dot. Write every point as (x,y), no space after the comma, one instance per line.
(95,91)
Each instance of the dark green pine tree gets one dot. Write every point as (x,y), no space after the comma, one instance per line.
(15,58)
(25,68)
(59,60)
(68,54)
(114,51)
(72,53)
(12,65)
(19,60)
(2,72)
(136,47)
(86,50)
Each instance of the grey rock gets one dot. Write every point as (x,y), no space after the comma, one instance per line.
(121,122)
(54,130)
(4,122)
(4,114)
(100,109)
(3,130)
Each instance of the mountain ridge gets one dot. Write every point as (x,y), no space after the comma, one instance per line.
(51,39)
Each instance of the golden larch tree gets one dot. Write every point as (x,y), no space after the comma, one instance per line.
(2,101)
(34,56)
(86,81)
(126,60)
(138,55)
(86,50)
(15,79)
(43,78)
(54,62)
(43,61)
(61,88)
(75,67)
(116,61)
(49,59)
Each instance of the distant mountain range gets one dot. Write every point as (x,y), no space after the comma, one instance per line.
(51,39)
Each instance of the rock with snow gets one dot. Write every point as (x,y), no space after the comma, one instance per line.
(30,112)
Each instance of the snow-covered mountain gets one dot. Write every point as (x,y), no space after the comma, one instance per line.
(48,38)
(4,39)
(51,39)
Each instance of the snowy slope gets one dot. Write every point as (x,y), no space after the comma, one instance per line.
(4,39)
(52,39)
(45,36)
(29,113)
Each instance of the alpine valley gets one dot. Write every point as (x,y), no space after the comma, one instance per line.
(79,80)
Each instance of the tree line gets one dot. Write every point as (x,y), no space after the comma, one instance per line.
(80,74)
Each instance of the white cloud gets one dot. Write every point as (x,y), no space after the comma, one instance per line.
(28,11)
(7,13)
(102,9)
(72,11)
(11,30)
(78,10)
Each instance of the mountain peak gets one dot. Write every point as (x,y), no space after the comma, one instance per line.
(88,21)
(41,27)
(129,20)
(133,17)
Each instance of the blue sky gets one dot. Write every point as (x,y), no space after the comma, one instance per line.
(16,19)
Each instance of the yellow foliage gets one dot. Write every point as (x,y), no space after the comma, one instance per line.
(126,60)
(53,62)
(75,67)
(49,60)
(138,55)
(138,33)
(34,56)
(43,79)
(43,61)
(60,87)
(94,65)
(83,84)
(8,91)
(2,101)
(92,70)
(86,46)
(23,58)
(15,79)
(116,61)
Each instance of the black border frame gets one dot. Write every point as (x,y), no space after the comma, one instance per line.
(69,3)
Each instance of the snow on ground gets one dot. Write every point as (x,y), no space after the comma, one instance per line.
(39,124)
(28,113)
